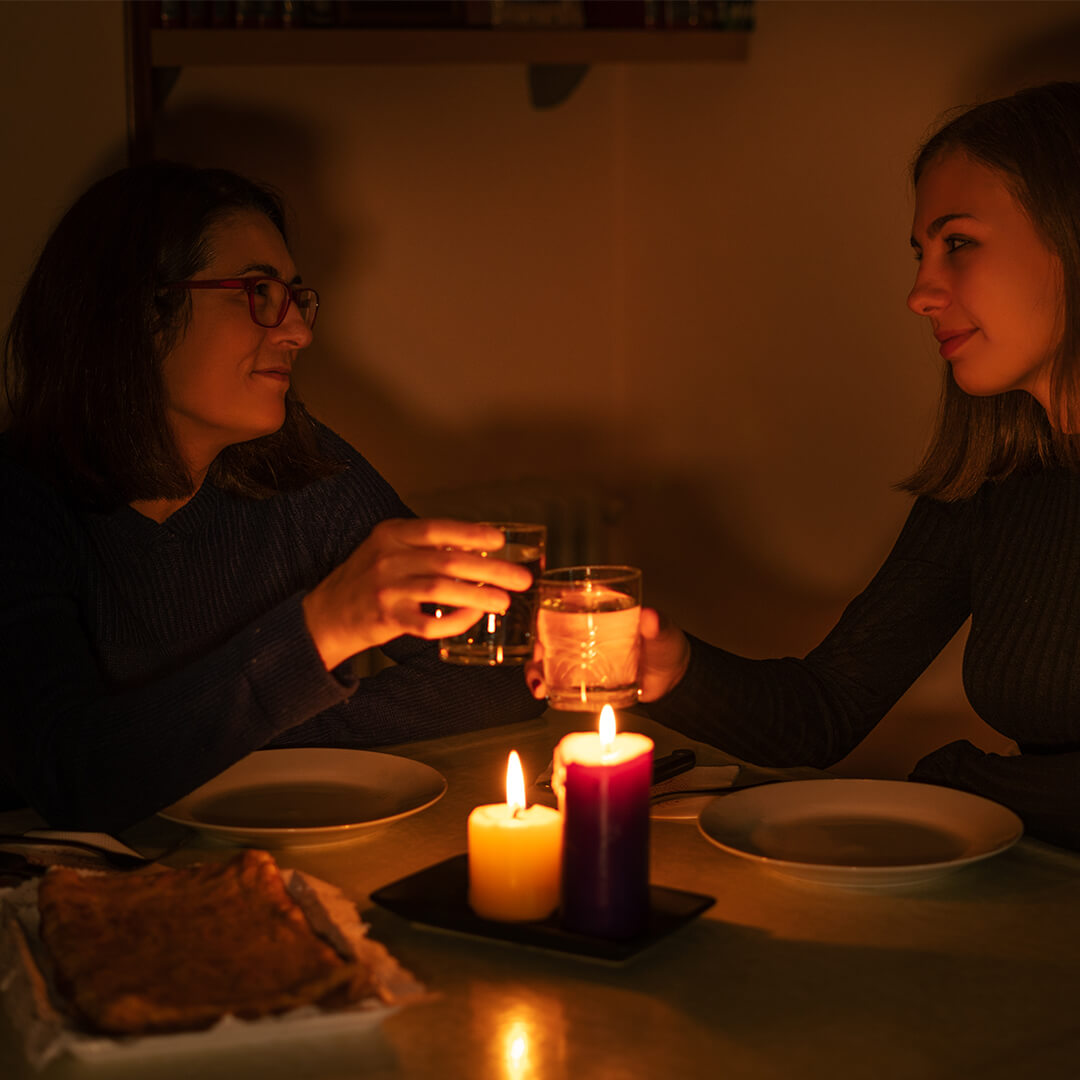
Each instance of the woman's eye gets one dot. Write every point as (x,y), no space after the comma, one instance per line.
(954,243)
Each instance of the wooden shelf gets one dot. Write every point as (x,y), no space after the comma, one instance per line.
(156,56)
(186,48)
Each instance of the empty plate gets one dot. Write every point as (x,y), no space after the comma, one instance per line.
(859,832)
(285,798)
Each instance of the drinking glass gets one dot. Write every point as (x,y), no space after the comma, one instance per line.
(504,639)
(587,626)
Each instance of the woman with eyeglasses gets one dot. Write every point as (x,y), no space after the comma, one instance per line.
(188,559)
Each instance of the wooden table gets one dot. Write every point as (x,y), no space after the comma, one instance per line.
(974,974)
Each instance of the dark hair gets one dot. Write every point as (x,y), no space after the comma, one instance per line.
(83,354)
(1032,139)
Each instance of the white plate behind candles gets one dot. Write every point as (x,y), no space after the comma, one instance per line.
(287,798)
(859,832)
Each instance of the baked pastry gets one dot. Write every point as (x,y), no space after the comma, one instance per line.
(168,950)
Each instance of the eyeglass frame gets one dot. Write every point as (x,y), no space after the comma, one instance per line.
(248,285)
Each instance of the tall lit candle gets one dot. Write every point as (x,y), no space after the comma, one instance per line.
(514,855)
(602,781)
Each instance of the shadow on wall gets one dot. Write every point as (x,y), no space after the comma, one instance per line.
(37,214)
(701,571)
(1045,58)
(507,466)
(525,466)
(268,147)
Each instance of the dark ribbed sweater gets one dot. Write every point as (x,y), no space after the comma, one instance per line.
(138,659)
(1010,558)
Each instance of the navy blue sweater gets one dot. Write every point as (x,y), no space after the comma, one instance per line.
(138,659)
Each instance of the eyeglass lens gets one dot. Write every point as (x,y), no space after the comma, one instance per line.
(269,299)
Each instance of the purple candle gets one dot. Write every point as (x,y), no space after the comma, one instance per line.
(603,789)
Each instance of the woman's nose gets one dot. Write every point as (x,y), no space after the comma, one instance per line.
(292,331)
(927,296)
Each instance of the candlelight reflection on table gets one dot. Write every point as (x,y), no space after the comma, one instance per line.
(525,1031)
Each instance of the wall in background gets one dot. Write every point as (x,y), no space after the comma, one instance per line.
(682,291)
(63,121)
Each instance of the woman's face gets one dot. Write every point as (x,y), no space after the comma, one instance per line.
(225,380)
(992,290)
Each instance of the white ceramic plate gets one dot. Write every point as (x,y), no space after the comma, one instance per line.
(285,798)
(859,832)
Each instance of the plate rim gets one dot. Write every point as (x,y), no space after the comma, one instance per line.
(896,873)
(169,813)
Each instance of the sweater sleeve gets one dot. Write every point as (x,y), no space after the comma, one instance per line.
(1043,789)
(814,711)
(420,696)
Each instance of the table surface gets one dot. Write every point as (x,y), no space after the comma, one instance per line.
(972,974)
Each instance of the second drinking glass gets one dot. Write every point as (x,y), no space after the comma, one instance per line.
(504,639)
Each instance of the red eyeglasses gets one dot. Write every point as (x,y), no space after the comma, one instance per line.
(268,298)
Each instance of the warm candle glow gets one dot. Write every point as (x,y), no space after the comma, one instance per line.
(517,1052)
(515,783)
(522,1034)
(607,727)
(514,855)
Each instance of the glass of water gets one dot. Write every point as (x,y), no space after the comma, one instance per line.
(587,626)
(504,639)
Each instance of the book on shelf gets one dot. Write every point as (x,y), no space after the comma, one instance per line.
(457,14)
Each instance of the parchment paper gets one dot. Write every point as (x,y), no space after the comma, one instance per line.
(37,1012)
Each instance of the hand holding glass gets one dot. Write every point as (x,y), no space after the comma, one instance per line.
(504,639)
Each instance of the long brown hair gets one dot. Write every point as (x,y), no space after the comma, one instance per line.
(83,353)
(1032,139)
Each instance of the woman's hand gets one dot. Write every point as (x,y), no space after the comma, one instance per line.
(375,595)
(665,655)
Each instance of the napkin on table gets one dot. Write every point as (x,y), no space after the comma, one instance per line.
(32,852)
(699,778)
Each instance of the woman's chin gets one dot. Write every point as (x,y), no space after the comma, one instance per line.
(977,384)
(270,426)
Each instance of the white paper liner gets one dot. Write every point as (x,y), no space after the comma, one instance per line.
(30,998)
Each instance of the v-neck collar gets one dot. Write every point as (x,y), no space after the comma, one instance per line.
(184,523)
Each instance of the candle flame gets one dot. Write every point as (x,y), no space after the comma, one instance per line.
(515,782)
(607,727)
(518,1049)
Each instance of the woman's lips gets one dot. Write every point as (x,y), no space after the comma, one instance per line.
(274,373)
(950,345)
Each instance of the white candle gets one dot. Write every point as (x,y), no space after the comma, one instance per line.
(514,855)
